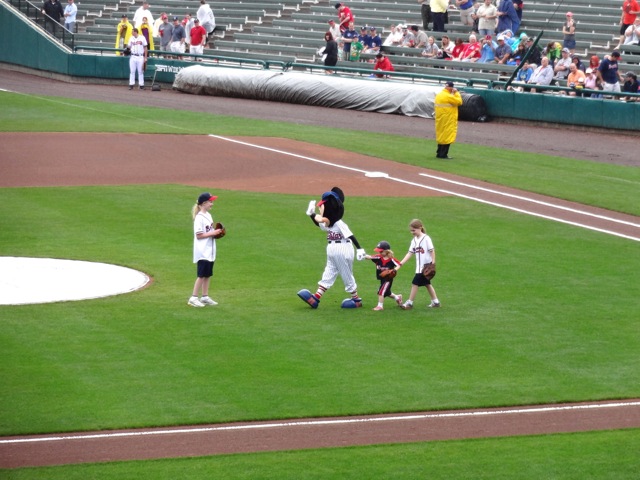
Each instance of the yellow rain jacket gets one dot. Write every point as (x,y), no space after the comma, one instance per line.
(446,106)
(124,34)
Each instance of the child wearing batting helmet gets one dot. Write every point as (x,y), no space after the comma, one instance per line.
(386,269)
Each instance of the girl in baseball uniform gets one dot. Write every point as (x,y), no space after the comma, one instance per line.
(204,249)
(340,241)
(422,248)
(384,261)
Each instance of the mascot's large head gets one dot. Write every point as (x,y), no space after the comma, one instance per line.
(332,205)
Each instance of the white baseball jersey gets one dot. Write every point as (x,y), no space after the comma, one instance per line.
(203,248)
(339,256)
(421,247)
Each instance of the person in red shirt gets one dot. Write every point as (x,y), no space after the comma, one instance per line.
(471,50)
(198,36)
(630,10)
(383,63)
(344,16)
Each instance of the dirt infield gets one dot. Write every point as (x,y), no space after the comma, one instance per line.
(280,165)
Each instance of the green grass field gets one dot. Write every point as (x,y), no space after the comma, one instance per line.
(534,312)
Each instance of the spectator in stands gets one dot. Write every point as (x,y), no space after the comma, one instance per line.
(631,86)
(334,29)
(541,75)
(517,55)
(591,82)
(70,12)
(364,36)
(466,11)
(535,54)
(425,13)
(438,11)
(123,29)
(487,18)
(54,12)
(330,52)
(197,39)
(382,64)
(561,67)
(575,79)
(431,49)
(608,72)
(575,59)
(146,30)
(632,33)
(375,43)
(446,48)
(356,49)
(508,38)
(206,17)
(457,49)
(419,37)
(345,17)
(630,11)
(507,16)
(503,51)
(408,40)
(142,11)
(178,37)
(523,76)
(569,32)
(488,50)
(348,36)
(165,31)
(188,23)
(471,51)
(395,37)
(157,23)
(594,62)
(518,5)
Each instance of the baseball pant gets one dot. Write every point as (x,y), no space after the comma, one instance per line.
(339,262)
(136,63)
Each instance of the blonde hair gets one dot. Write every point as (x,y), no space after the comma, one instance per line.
(195,210)
(417,224)
(387,254)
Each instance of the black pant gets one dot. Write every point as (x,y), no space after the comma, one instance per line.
(438,22)
(443,151)
(426,15)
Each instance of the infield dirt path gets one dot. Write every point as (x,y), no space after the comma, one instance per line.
(310,170)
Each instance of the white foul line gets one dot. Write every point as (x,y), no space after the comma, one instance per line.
(312,423)
(449,192)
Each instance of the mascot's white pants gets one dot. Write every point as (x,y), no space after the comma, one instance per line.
(339,262)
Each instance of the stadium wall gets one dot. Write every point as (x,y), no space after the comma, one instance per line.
(25,45)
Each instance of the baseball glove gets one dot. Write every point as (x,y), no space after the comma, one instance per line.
(429,270)
(388,274)
(219,226)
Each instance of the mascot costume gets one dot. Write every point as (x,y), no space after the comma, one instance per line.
(340,242)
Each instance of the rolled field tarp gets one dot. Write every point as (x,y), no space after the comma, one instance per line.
(368,94)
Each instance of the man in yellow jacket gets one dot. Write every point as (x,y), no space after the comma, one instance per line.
(446,114)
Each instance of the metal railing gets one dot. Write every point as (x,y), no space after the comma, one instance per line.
(44,21)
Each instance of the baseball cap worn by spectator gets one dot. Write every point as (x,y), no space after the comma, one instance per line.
(382,246)
(176,19)
(373,29)
(206,197)
(569,14)
(450,84)
(332,21)
(566,50)
(589,70)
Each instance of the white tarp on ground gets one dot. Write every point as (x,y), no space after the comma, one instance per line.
(357,93)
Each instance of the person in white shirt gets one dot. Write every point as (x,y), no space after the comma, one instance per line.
(142,12)
(138,46)
(70,12)
(206,17)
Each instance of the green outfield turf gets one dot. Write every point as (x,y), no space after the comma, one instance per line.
(534,312)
